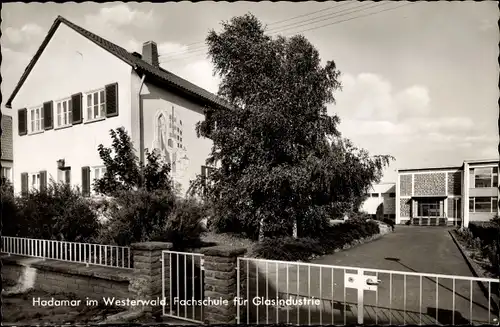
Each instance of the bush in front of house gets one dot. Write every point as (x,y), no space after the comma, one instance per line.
(134,215)
(183,227)
(141,216)
(359,216)
(57,213)
(11,221)
(487,232)
(486,239)
(334,237)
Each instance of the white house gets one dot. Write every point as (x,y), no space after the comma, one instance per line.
(78,87)
(381,199)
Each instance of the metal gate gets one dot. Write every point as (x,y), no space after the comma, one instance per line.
(301,293)
(182,285)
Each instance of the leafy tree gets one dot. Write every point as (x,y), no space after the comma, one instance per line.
(124,172)
(281,157)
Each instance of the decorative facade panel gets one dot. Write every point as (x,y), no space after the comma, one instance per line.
(430,184)
(455,183)
(405,207)
(405,185)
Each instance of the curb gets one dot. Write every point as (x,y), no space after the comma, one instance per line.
(477,273)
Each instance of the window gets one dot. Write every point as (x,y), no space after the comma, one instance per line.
(483,204)
(96,108)
(392,195)
(36,120)
(6,173)
(98,172)
(34,181)
(374,195)
(64,113)
(485,177)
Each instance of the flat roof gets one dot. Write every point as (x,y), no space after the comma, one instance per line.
(474,161)
(431,168)
(487,161)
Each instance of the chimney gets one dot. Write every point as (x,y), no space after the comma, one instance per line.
(150,53)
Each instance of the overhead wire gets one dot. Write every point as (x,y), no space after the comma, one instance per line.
(194,54)
(203,46)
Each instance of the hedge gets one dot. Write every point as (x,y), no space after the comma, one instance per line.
(334,237)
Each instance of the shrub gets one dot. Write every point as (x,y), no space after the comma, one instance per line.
(360,215)
(487,232)
(333,237)
(184,226)
(57,213)
(483,238)
(134,215)
(11,220)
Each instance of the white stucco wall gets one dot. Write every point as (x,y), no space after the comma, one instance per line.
(70,64)
(156,100)
(383,190)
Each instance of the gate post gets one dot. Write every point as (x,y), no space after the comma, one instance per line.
(148,266)
(220,283)
(361,294)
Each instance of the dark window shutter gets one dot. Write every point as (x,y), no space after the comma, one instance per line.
(67,176)
(86,181)
(76,111)
(22,121)
(24,184)
(43,180)
(48,121)
(111,100)
(204,171)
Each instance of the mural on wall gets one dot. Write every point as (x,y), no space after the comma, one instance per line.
(169,143)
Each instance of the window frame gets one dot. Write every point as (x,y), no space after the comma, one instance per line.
(7,173)
(493,208)
(35,186)
(68,115)
(102,171)
(101,106)
(40,120)
(492,176)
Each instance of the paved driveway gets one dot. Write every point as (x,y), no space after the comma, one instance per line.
(421,249)
(399,299)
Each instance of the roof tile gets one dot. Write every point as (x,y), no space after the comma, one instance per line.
(158,73)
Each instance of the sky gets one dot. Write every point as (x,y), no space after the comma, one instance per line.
(420,80)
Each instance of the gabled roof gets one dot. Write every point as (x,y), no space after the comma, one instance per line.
(156,74)
(7,146)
